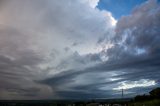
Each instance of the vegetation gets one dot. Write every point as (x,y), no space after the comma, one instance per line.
(153,99)
(155,102)
(154,94)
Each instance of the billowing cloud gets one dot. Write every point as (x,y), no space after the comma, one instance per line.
(36,41)
(70,49)
(91,3)
(127,58)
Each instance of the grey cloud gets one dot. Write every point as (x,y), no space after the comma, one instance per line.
(33,56)
(17,79)
(140,29)
(137,31)
(78,61)
(18,64)
(24,92)
(133,71)
(32,37)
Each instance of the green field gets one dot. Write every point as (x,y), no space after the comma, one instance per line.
(146,103)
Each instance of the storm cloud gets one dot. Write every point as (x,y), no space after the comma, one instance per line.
(71,49)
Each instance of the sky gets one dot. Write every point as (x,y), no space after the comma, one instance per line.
(119,8)
(78,49)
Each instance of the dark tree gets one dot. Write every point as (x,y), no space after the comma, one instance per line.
(155,93)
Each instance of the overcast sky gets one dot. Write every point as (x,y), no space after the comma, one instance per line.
(78,49)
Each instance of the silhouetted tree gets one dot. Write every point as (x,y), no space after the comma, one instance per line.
(155,93)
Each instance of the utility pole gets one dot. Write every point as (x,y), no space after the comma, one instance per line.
(122,93)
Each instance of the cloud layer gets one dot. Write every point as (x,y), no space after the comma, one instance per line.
(70,49)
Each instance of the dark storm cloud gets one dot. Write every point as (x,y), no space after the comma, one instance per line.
(14,73)
(134,56)
(37,41)
(79,91)
(137,41)
(17,63)
(30,92)
(51,54)
(79,61)
(141,28)
(134,70)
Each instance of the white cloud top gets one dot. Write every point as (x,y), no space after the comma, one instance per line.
(91,3)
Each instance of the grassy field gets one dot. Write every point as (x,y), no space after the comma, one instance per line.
(146,103)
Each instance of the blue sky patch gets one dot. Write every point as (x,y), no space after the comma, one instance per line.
(119,7)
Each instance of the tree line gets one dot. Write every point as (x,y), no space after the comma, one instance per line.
(153,94)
